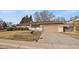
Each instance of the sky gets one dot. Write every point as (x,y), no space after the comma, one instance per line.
(15,16)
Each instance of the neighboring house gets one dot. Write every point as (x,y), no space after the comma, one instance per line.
(22,26)
(75,25)
(72,26)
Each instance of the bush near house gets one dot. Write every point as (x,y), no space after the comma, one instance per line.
(15,28)
(36,35)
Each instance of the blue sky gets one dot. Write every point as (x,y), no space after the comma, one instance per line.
(16,15)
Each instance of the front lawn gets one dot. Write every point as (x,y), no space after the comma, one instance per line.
(20,35)
(73,34)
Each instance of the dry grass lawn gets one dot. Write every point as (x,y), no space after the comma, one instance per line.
(20,35)
(73,34)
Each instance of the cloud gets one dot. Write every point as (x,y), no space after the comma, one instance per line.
(29,12)
(67,13)
(70,11)
(7,11)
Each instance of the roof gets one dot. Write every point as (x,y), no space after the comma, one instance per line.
(47,22)
(40,23)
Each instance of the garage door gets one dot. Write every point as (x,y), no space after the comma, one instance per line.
(50,28)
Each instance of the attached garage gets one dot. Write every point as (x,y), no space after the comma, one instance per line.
(54,27)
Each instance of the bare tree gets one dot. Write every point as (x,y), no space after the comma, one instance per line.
(61,19)
(74,18)
(9,24)
(44,16)
(37,16)
(3,24)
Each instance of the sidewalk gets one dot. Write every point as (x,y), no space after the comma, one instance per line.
(10,44)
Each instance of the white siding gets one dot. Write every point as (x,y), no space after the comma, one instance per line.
(60,29)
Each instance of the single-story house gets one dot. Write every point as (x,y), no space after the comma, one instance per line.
(49,26)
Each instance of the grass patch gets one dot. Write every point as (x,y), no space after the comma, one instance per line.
(20,35)
(73,34)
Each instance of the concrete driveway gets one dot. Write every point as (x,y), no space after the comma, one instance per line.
(59,40)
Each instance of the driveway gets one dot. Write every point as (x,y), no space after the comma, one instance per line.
(59,40)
